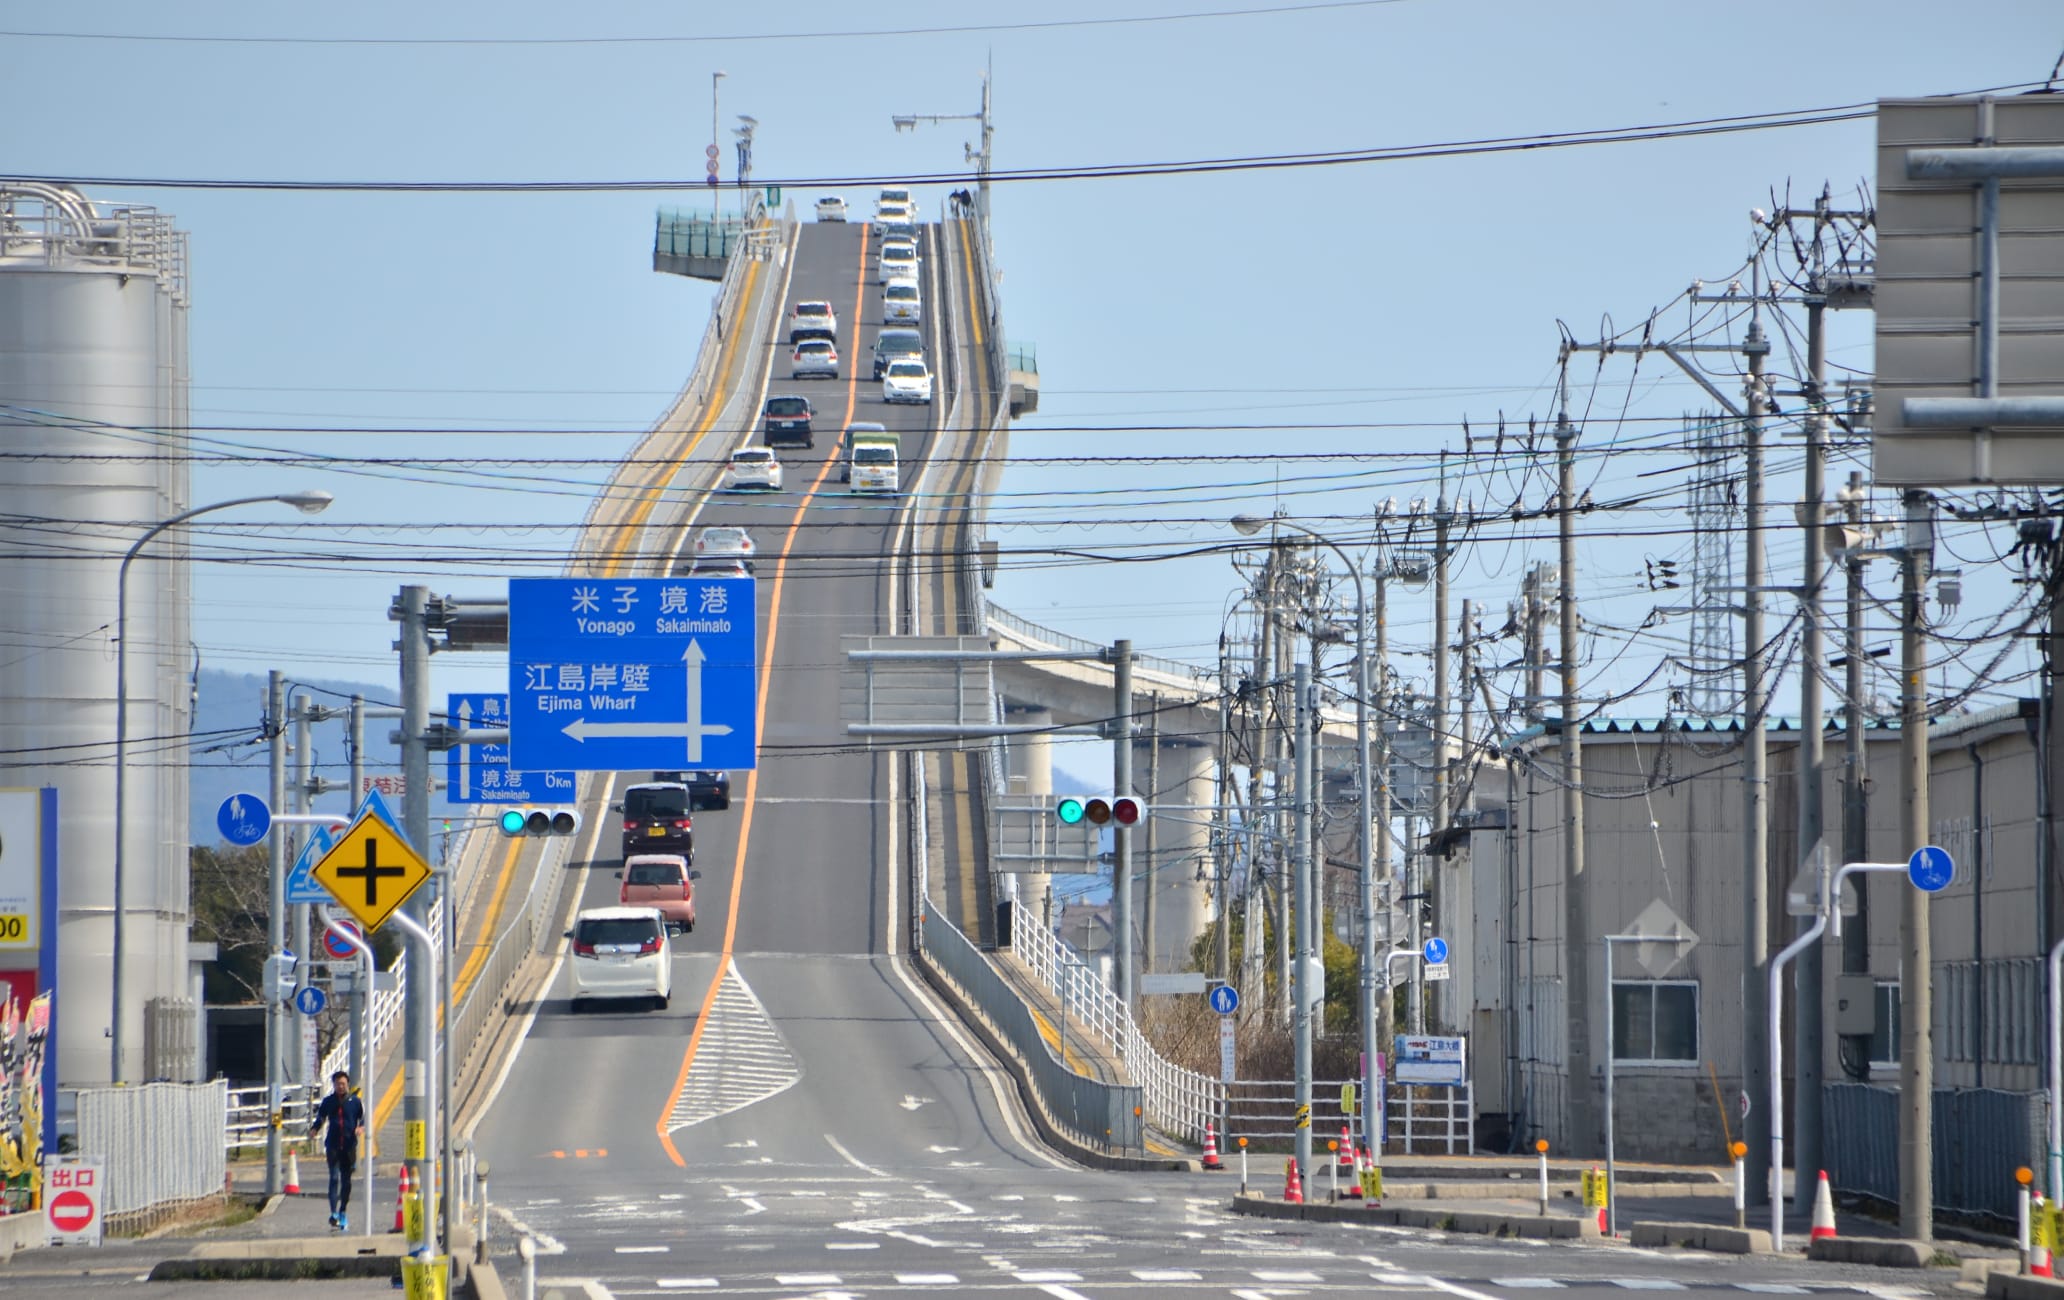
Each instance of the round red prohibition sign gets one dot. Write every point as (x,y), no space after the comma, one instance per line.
(71,1211)
(334,945)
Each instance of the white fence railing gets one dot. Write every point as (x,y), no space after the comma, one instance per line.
(1179,1102)
(161,1145)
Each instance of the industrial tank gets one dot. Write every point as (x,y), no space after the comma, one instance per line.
(93,419)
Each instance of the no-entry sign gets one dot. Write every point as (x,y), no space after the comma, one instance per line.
(72,1206)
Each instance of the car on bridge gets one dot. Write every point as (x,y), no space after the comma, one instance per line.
(831,208)
(621,952)
(898,260)
(789,422)
(705,789)
(899,195)
(895,344)
(887,212)
(657,818)
(752,467)
(663,881)
(722,548)
(812,320)
(813,359)
(908,379)
(902,303)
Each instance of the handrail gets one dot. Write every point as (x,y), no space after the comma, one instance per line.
(1203,679)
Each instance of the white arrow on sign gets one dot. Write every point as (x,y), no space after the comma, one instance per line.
(691,727)
(465,759)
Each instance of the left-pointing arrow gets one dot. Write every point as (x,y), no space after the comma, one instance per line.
(691,728)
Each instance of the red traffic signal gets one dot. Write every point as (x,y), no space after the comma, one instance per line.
(1125,810)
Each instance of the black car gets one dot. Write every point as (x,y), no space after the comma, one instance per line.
(788,422)
(705,789)
(657,819)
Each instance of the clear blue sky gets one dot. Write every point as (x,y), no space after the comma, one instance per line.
(1413,293)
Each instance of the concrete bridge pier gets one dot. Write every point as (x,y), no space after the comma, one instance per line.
(1029,760)
(1175,869)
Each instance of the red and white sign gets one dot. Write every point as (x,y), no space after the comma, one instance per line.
(389,786)
(71,1201)
(335,948)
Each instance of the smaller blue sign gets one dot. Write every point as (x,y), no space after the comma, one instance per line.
(243,819)
(1931,869)
(480,774)
(302,886)
(1436,951)
(1225,999)
(309,1000)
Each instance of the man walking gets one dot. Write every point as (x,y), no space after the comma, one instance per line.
(345,1115)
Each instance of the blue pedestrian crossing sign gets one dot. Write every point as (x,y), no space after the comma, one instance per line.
(243,819)
(301,883)
(480,774)
(309,1000)
(1931,869)
(1436,951)
(1225,999)
(613,674)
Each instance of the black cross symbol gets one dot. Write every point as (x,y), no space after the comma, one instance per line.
(372,871)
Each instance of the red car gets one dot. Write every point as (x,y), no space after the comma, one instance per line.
(661,880)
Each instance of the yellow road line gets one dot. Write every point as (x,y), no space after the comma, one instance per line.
(752,778)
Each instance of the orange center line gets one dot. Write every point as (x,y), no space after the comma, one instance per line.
(752,778)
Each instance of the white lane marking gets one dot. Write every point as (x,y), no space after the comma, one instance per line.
(547,1244)
(1047,1275)
(1285,1275)
(1008,1196)
(941,1151)
(641,1250)
(757,1208)
(1067,1198)
(927,1279)
(852,1245)
(807,1279)
(673,1196)
(1059,1292)
(1772,1288)
(745,1145)
(1647,1284)
(743,1059)
(1541,1283)
(852,1159)
(683,1283)
(1419,1279)
(912,1103)
(1167,1275)
(1463,1292)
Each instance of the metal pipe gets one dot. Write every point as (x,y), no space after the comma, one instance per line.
(1301,1016)
(2057,1069)
(332,925)
(1121,836)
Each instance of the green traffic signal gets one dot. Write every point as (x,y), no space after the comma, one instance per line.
(1070,811)
(512,821)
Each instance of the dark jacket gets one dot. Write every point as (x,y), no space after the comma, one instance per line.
(345,1117)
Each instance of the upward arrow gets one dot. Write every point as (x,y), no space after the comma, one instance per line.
(691,727)
(465,759)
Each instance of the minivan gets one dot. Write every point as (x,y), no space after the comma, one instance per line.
(893,343)
(656,819)
(789,422)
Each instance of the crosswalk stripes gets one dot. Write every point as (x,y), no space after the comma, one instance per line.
(742,1058)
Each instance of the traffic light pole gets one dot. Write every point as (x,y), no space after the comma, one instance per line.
(276,929)
(1121,836)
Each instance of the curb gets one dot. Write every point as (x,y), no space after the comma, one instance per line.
(1881,1252)
(276,1268)
(2015,1286)
(1702,1236)
(1482,1223)
(485,1283)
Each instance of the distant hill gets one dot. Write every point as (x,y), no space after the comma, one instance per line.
(239,761)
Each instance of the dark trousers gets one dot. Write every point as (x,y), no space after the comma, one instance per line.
(342,1166)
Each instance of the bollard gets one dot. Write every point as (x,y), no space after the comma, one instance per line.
(2023,1176)
(480,1196)
(1741,1184)
(1541,1146)
(1333,1146)
(1243,1166)
(526,1250)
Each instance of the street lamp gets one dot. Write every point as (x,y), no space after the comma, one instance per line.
(1248,526)
(308,503)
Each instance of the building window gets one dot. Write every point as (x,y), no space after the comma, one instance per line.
(1884,1043)
(1655,1021)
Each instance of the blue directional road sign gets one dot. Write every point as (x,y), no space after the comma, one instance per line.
(1436,951)
(1930,869)
(609,674)
(309,1000)
(302,886)
(1225,999)
(481,773)
(243,819)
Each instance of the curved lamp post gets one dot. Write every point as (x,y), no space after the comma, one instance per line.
(1248,525)
(308,503)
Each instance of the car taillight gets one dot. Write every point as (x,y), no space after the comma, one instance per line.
(683,824)
(649,947)
(583,949)
(630,823)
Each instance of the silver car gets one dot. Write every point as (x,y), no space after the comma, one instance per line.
(831,208)
(814,359)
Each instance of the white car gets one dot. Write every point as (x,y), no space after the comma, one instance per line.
(907,380)
(723,549)
(621,952)
(902,303)
(899,195)
(812,320)
(831,208)
(898,261)
(887,212)
(753,467)
(813,359)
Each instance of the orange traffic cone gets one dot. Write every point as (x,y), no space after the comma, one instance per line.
(1211,1160)
(1346,1148)
(1823,1209)
(293,1187)
(401,1195)
(1293,1186)
(1354,1186)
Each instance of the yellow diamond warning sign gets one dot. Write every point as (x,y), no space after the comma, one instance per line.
(371,870)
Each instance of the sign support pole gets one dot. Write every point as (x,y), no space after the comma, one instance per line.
(411,611)
(276,927)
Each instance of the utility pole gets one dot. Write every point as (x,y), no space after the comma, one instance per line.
(1916,1036)
(304,715)
(1855,803)
(1301,1015)
(1121,836)
(1576,885)
(1755,777)
(1376,1010)
(1533,614)
(419,1008)
(276,1025)
(1282,819)
(357,725)
(1384,863)
(1149,855)
(1810,1048)
(1221,843)
(1443,703)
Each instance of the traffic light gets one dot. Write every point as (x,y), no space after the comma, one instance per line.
(279,976)
(1124,810)
(539,821)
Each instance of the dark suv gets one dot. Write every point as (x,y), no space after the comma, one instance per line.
(788,422)
(705,789)
(656,819)
(893,343)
